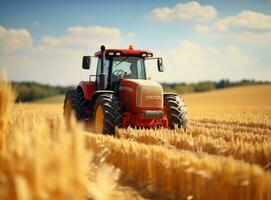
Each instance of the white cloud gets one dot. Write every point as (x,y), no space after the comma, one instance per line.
(191,12)
(202,28)
(57,59)
(192,62)
(248,27)
(255,39)
(246,19)
(229,54)
(12,40)
(86,38)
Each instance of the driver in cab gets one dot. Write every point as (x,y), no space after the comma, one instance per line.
(132,73)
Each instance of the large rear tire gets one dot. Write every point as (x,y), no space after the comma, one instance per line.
(75,104)
(107,114)
(176,111)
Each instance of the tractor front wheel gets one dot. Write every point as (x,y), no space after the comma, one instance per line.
(107,114)
(175,110)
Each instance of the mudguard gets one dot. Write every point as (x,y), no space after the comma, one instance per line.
(88,88)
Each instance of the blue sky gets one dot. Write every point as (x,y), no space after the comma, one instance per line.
(199,40)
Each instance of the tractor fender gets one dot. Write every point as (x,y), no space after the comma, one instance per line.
(97,93)
(88,88)
(170,93)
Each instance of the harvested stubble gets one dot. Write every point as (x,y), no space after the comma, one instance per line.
(183,173)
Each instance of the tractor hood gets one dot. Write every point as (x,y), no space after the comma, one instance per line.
(141,94)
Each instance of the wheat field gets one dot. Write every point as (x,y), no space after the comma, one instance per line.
(225,153)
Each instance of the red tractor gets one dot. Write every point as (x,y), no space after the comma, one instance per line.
(122,96)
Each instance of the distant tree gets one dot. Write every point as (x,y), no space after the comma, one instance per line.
(30,91)
(223,83)
(204,86)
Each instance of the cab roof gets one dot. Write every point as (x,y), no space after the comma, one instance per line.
(126,52)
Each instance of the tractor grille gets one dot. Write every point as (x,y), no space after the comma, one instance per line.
(149,95)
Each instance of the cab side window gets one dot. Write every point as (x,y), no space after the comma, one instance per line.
(140,69)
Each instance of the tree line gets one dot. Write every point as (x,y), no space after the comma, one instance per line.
(31,91)
(205,86)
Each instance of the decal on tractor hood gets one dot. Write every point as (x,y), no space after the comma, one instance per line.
(150,96)
(153,97)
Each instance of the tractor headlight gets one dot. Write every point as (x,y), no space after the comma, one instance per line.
(146,54)
(111,53)
(143,54)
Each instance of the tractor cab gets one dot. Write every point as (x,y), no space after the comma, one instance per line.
(122,95)
(120,64)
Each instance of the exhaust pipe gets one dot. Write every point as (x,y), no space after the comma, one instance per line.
(102,76)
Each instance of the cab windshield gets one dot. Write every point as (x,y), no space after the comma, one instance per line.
(128,67)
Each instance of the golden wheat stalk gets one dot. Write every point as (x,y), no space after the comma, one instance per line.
(257,128)
(183,173)
(228,133)
(40,160)
(252,152)
(7,97)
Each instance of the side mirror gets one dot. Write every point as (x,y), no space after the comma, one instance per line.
(160,64)
(86,62)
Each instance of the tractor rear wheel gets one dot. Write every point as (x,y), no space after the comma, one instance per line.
(175,110)
(107,114)
(75,104)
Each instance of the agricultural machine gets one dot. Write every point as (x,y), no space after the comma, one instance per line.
(121,94)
